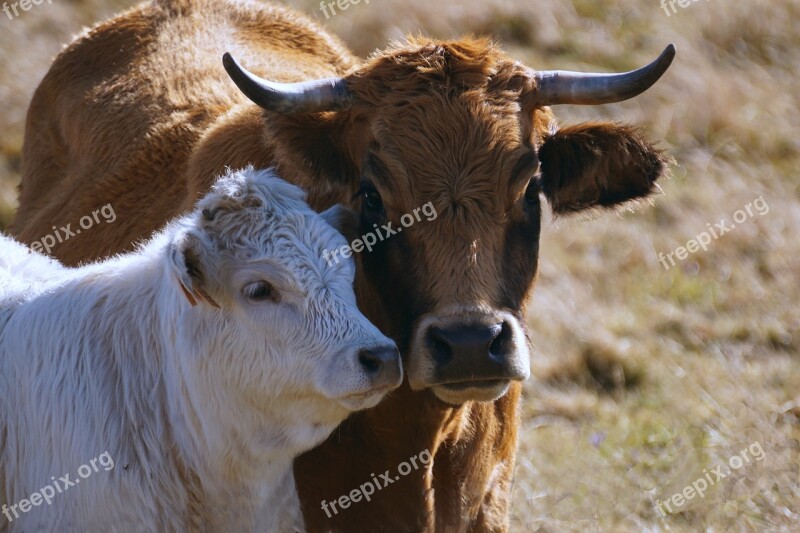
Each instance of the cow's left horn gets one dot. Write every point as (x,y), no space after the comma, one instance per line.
(564,87)
(303,97)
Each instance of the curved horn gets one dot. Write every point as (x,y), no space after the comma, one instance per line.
(565,87)
(303,97)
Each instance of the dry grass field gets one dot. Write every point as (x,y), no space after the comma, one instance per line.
(645,378)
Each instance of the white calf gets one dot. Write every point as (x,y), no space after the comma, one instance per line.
(194,370)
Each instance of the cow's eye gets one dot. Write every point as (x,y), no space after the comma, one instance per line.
(373,201)
(533,190)
(261,291)
(371,198)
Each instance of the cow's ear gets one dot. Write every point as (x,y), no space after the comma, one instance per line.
(598,165)
(344,220)
(186,258)
(318,149)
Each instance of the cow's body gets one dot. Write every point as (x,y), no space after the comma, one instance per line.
(139,113)
(161,96)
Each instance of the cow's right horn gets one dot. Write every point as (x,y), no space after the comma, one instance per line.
(327,94)
(564,87)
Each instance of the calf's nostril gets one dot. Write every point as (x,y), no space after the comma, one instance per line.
(375,359)
(370,361)
(382,365)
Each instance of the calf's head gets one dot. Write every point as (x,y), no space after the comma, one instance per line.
(459,127)
(271,319)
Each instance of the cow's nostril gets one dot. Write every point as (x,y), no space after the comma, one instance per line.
(474,352)
(502,343)
(468,341)
(441,350)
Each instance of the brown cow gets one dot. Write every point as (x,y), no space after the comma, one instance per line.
(139,113)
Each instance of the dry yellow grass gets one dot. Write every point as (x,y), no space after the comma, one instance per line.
(644,377)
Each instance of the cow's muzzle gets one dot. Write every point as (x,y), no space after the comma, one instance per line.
(468,355)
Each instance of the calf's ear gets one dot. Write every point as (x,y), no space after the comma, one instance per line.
(598,165)
(344,220)
(186,256)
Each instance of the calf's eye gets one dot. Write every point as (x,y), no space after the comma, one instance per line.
(261,291)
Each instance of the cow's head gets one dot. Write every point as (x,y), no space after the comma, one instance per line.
(459,126)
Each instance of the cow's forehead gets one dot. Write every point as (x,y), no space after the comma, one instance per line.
(461,151)
(452,123)
(406,68)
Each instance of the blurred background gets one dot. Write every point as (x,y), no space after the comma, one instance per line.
(645,377)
